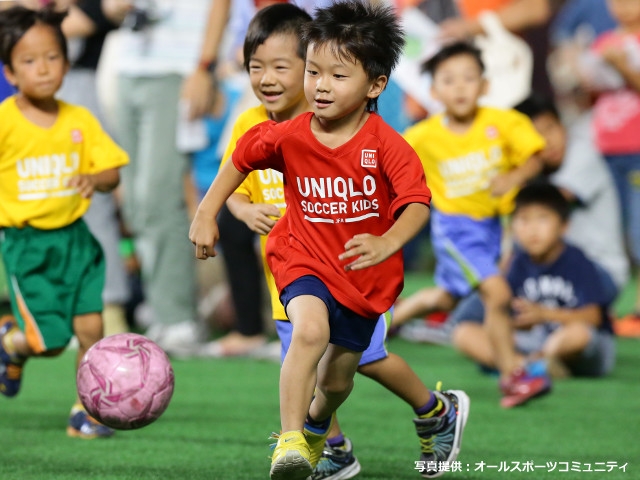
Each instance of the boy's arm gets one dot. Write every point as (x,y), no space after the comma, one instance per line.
(371,250)
(529,313)
(257,216)
(103,181)
(518,177)
(204,228)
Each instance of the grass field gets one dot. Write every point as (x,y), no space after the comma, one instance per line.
(223,411)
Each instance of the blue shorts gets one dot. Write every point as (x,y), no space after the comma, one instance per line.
(377,349)
(347,328)
(466,251)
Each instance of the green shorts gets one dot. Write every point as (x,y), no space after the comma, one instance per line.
(53,276)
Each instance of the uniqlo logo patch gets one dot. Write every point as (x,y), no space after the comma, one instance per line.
(76,136)
(369,158)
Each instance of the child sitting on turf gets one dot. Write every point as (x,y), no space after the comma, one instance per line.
(474,158)
(560,309)
(53,157)
(274,60)
(334,279)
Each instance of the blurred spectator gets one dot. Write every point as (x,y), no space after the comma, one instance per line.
(86,26)
(165,57)
(617,116)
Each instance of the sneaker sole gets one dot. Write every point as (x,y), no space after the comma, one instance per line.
(72,432)
(346,473)
(292,466)
(464,403)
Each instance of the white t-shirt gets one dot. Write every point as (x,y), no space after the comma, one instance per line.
(595,225)
(172,45)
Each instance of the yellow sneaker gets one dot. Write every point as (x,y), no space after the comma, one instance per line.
(316,442)
(290,458)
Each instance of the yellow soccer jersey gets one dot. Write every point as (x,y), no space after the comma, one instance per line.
(261,186)
(459,167)
(36,164)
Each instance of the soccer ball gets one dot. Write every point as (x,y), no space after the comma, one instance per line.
(125,381)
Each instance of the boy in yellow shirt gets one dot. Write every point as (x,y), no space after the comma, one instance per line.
(53,156)
(475,158)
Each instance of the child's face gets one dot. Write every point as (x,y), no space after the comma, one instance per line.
(335,86)
(555,136)
(538,230)
(626,12)
(276,73)
(38,65)
(458,83)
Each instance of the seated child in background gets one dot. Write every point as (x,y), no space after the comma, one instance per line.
(472,157)
(53,157)
(560,308)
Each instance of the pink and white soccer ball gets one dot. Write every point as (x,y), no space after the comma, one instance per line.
(125,381)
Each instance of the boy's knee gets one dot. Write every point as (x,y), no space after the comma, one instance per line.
(463,332)
(335,386)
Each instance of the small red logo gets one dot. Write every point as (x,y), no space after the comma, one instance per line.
(369,159)
(76,136)
(492,132)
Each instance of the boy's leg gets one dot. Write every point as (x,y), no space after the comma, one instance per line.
(89,330)
(472,340)
(422,303)
(496,297)
(582,349)
(14,352)
(309,340)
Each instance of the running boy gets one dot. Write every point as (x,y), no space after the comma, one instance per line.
(561,303)
(53,157)
(274,59)
(355,175)
(474,156)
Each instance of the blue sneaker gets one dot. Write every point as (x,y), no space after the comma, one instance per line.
(441,436)
(10,365)
(82,425)
(337,463)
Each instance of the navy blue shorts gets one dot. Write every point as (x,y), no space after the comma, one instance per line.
(347,328)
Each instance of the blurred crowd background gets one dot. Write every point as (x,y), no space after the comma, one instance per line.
(166,79)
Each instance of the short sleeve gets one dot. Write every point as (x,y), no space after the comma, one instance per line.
(523,140)
(258,148)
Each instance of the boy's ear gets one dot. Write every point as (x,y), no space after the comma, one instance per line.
(434,93)
(377,86)
(8,74)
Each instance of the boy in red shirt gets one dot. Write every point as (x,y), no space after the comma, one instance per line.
(345,173)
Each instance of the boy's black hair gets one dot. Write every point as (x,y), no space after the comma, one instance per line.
(15,21)
(280,18)
(544,194)
(359,31)
(450,51)
(536,105)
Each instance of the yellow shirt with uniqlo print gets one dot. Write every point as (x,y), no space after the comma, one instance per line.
(36,164)
(459,167)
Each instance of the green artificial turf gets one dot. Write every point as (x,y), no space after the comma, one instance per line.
(223,411)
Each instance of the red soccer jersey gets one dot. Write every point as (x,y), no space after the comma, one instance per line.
(332,195)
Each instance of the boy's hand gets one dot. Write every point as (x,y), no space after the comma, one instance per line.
(527,314)
(369,249)
(259,216)
(204,235)
(84,184)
